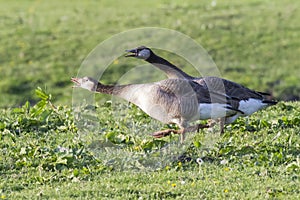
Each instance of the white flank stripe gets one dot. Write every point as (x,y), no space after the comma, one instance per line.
(213,111)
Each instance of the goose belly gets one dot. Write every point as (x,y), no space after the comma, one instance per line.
(213,111)
(251,105)
(157,112)
(149,105)
(231,119)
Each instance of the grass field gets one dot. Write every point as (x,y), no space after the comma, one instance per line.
(43,43)
(48,153)
(45,155)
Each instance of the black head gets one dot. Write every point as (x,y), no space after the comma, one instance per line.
(141,52)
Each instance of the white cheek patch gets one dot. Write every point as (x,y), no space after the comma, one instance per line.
(145,54)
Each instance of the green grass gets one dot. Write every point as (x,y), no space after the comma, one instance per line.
(49,152)
(45,153)
(43,43)
(198,184)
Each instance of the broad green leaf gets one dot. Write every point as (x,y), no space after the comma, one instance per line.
(41,94)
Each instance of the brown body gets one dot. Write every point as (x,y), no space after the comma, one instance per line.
(176,101)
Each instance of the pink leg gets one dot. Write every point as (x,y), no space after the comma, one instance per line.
(164,133)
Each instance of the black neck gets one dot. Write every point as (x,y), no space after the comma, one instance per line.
(171,70)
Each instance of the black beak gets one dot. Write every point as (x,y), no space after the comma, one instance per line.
(132,53)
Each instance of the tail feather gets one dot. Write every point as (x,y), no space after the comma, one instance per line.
(231,108)
(235,98)
(270,102)
(264,93)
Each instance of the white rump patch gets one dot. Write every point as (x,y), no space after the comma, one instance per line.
(251,105)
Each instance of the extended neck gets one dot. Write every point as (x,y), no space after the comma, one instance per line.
(171,70)
(111,89)
(129,92)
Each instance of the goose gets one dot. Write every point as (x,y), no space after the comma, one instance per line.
(249,102)
(176,101)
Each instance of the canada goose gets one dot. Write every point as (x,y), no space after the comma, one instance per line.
(176,101)
(250,101)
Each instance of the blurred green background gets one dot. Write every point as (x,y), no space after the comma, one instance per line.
(42,43)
